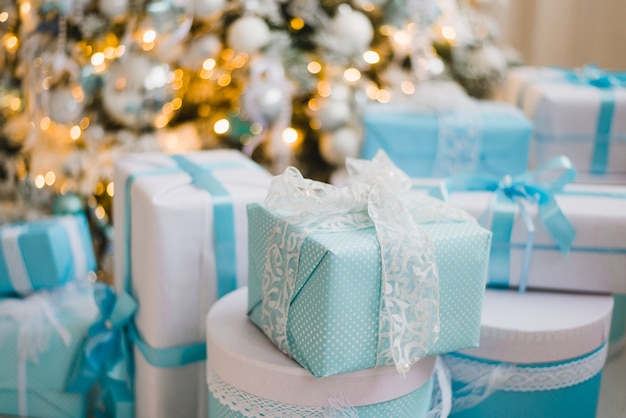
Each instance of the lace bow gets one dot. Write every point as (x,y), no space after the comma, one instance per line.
(379,196)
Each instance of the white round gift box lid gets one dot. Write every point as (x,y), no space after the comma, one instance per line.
(241,355)
(541,327)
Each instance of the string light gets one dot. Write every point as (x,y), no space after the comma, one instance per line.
(290,135)
(50,178)
(314,67)
(371,57)
(221,126)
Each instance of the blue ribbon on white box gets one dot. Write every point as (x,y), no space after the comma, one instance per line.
(511,194)
(605,82)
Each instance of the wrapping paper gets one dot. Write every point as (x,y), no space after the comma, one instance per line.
(597,257)
(40,340)
(244,368)
(540,354)
(617,336)
(566,117)
(485,138)
(169,223)
(45,253)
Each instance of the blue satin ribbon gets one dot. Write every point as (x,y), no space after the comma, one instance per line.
(511,194)
(106,349)
(605,82)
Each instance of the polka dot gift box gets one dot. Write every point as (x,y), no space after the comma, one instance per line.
(249,377)
(371,274)
(541,355)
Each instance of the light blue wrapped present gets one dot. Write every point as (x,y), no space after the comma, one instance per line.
(541,355)
(248,376)
(44,254)
(580,113)
(40,340)
(371,274)
(617,336)
(461,136)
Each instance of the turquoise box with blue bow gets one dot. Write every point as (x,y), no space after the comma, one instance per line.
(45,253)
(41,336)
(371,274)
(579,113)
(479,137)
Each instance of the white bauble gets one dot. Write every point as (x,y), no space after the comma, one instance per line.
(204,9)
(136,89)
(336,146)
(200,48)
(333,114)
(66,104)
(264,102)
(353,28)
(113,9)
(248,34)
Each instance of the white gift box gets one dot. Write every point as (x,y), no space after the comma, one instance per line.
(567,121)
(166,230)
(541,354)
(597,257)
(249,377)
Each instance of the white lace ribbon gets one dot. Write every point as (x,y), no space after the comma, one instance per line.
(76,244)
(482,379)
(379,196)
(18,274)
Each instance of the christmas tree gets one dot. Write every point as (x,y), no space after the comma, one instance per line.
(284,81)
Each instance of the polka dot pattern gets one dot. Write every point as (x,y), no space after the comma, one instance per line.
(333,317)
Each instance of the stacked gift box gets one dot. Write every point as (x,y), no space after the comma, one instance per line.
(47,308)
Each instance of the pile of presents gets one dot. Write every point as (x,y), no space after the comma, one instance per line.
(472,265)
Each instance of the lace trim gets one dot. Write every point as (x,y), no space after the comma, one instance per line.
(380,196)
(482,379)
(18,274)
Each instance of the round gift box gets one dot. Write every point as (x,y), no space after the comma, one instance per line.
(541,355)
(249,377)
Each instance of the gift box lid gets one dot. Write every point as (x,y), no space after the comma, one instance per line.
(541,327)
(240,354)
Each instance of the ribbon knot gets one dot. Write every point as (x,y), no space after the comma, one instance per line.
(106,349)
(595,76)
(519,192)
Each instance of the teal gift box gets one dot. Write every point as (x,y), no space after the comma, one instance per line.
(40,340)
(478,137)
(322,295)
(45,253)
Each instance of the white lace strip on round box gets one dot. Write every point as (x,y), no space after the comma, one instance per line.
(541,355)
(249,377)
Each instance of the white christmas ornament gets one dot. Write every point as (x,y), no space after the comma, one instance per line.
(113,9)
(248,34)
(336,146)
(333,114)
(353,28)
(205,9)
(136,89)
(66,104)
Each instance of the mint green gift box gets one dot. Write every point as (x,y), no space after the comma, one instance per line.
(371,274)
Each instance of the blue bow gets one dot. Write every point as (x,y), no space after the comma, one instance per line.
(512,193)
(107,348)
(594,76)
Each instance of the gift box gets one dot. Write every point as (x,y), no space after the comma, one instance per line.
(461,135)
(573,240)
(45,253)
(617,336)
(339,291)
(181,242)
(40,339)
(577,113)
(540,355)
(247,375)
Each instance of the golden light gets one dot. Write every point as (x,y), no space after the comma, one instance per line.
(223,80)
(448,33)
(221,126)
(99,212)
(323,88)
(368,7)
(25,7)
(371,91)
(84,123)
(44,123)
(4,16)
(256,128)
(15,103)
(407,87)
(120,50)
(205,75)
(352,75)
(383,96)
(40,181)
(208,64)
(227,54)
(172,142)
(204,110)
(99,189)
(78,93)
(161,121)
(178,74)
(75,132)
(314,67)
(371,57)
(296,23)
(109,52)
(290,135)
(177,103)
(97,59)
(50,178)
(111,189)
(149,36)
(239,60)
(386,30)
(401,38)
(314,104)
(11,42)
